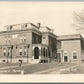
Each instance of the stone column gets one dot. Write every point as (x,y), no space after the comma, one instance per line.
(62,59)
(33,52)
(39,52)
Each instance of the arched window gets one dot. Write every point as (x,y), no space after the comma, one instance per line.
(65,53)
(74,54)
(36,53)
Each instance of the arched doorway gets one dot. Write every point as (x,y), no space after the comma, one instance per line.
(36,53)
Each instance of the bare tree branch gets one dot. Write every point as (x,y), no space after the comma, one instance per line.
(78,20)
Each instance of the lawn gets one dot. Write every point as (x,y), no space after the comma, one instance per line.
(77,70)
(30,69)
(7,64)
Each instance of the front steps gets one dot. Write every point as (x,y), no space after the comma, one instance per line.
(34,61)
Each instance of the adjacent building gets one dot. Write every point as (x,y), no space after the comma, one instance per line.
(72,48)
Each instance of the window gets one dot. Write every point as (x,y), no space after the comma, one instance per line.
(65,53)
(22,38)
(9,52)
(7,39)
(14,36)
(4,60)
(9,27)
(44,52)
(4,54)
(43,37)
(4,51)
(74,55)
(20,51)
(23,26)
(65,56)
(25,51)
(44,40)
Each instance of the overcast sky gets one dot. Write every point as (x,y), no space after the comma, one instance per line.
(56,15)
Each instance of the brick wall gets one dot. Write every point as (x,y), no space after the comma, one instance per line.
(70,46)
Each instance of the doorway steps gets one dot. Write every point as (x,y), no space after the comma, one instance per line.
(34,61)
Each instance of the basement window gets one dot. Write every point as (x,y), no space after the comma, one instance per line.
(3,60)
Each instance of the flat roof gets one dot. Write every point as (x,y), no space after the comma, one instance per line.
(70,37)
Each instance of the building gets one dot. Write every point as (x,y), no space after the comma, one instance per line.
(72,48)
(29,43)
(38,44)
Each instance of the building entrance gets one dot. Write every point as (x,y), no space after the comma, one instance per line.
(65,59)
(36,53)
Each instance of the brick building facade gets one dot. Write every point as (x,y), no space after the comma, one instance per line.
(27,42)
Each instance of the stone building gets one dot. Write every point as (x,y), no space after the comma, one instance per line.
(29,43)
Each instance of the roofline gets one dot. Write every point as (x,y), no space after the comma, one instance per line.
(81,37)
(69,35)
(17,24)
(6,32)
(22,23)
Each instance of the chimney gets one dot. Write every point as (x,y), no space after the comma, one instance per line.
(39,25)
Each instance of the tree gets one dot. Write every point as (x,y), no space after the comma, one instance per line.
(78,21)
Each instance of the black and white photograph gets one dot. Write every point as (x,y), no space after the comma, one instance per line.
(41,38)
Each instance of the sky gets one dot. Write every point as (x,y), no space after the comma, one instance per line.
(55,15)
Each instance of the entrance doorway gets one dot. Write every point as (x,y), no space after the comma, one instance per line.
(65,59)
(36,53)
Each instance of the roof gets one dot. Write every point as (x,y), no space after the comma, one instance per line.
(18,30)
(21,24)
(70,37)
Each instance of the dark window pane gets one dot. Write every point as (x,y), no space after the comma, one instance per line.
(74,57)
(20,53)
(4,54)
